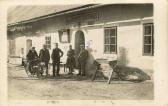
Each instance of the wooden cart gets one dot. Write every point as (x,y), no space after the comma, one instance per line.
(98,62)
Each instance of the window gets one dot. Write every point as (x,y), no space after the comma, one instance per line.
(48,42)
(110,40)
(148,39)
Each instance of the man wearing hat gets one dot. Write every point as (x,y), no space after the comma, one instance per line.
(57,53)
(44,56)
(82,59)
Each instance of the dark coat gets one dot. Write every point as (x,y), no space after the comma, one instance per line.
(83,55)
(71,53)
(32,55)
(44,55)
(57,54)
(71,58)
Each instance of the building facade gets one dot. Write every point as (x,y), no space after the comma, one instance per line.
(113,31)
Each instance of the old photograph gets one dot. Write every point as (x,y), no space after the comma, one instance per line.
(81,52)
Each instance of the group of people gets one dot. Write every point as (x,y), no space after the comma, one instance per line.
(57,53)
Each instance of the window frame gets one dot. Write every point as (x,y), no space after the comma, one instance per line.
(105,52)
(152,40)
(47,40)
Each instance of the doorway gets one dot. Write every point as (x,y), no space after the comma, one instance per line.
(28,45)
(79,40)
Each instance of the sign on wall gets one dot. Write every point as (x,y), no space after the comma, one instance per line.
(64,35)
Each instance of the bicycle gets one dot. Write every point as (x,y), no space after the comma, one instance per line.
(33,68)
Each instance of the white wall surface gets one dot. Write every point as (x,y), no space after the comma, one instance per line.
(130,46)
(20,42)
(38,41)
(129,39)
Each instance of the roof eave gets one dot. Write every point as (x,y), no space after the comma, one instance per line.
(57,14)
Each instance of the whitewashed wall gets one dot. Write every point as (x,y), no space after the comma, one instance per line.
(20,42)
(38,41)
(130,47)
(129,39)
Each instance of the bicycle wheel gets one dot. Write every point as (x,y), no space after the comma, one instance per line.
(26,66)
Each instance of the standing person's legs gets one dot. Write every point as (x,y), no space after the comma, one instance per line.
(46,65)
(68,64)
(79,65)
(58,67)
(30,67)
(83,68)
(42,68)
(70,69)
(54,68)
(22,62)
(72,65)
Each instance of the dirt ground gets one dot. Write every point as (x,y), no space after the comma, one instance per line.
(73,87)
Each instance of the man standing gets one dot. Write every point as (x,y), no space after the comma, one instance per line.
(82,59)
(70,59)
(44,56)
(31,56)
(56,55)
